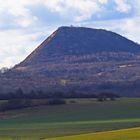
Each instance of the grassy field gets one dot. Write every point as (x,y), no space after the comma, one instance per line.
(126,134)
(83,116)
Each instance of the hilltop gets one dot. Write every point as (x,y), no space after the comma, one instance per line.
(69,41)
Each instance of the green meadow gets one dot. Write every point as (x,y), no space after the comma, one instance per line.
(78,116)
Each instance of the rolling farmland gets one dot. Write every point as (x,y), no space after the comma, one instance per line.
(81,117)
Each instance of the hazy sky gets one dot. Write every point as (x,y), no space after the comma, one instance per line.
(24,24)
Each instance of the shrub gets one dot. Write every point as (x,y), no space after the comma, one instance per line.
(15,104)
(56,101)
(73,101)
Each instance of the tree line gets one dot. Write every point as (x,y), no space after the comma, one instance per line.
(19,99)
(19,94)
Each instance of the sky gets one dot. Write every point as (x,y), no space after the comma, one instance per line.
(24,24)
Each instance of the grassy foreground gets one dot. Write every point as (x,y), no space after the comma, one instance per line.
(126,134)
(81,117)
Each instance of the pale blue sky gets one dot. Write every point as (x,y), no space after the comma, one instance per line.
(24,24)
